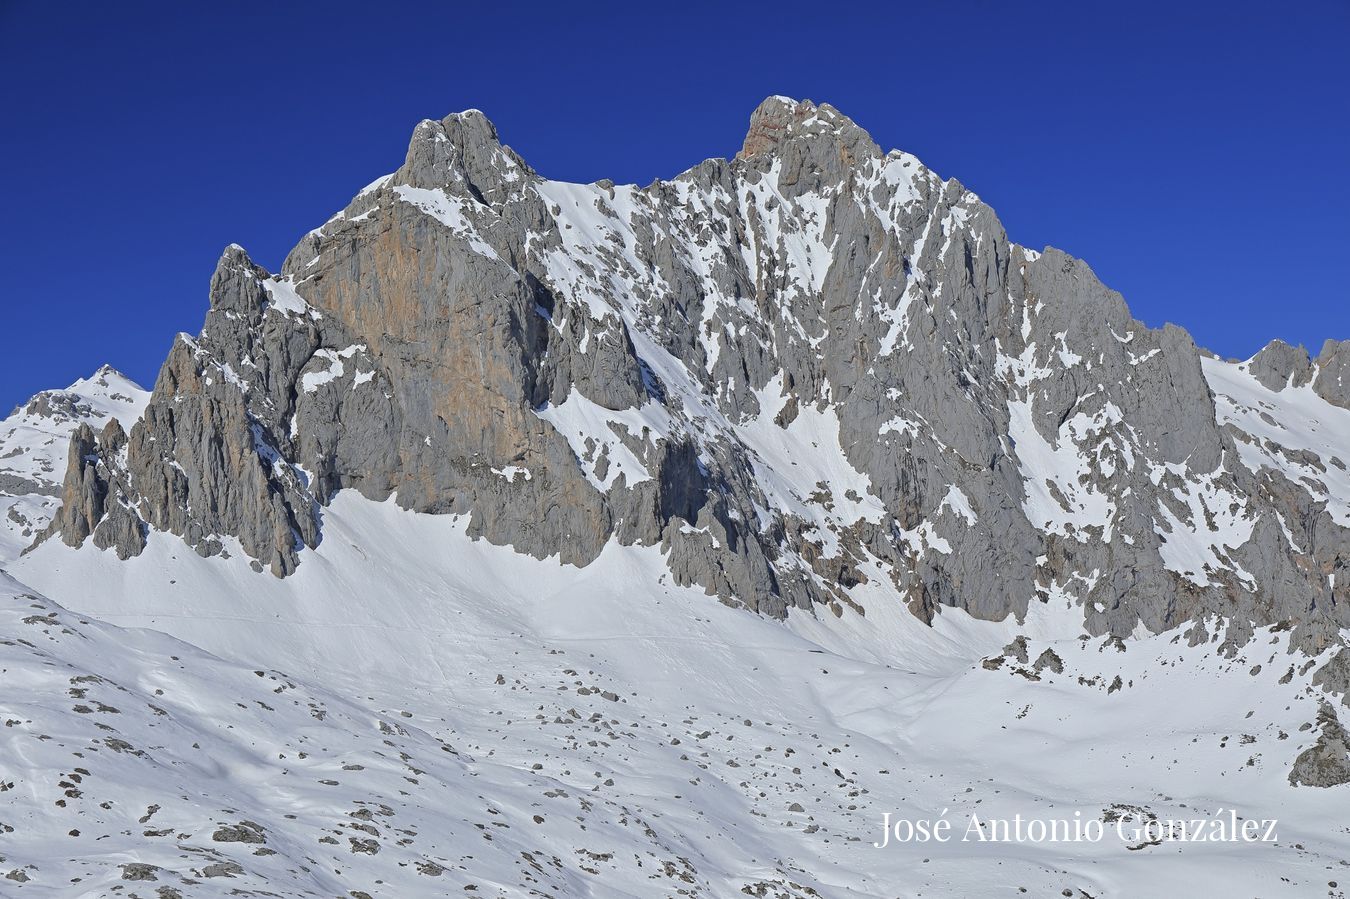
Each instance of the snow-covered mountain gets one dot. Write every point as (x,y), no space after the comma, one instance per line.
(808,367)
(35,443)
(659,541)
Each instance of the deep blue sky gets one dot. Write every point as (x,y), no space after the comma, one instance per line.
(1197,155)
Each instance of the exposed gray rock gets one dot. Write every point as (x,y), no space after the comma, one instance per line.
(1280,365)
(1332,381)
(1049,659)
(34,449)
(1327,762)
(814,367)
(84,494)
(243,832)
(1334,676)
(14,485)
(223,869)
(140,871)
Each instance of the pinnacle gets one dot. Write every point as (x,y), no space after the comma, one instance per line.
(779,119)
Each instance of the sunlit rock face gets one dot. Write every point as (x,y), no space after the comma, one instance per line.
(811,367)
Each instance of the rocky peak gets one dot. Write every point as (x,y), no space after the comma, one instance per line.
(780,120)
(235,284)
(105,372)
(1280,365)
(104,393)
(463,155)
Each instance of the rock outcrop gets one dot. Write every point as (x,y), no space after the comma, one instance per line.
(1280,365)
(810,368)
(1327,762)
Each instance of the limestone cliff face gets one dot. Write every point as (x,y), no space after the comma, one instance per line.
(810,367)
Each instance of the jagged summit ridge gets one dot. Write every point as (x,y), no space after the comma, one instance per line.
(806,368)
(778,120)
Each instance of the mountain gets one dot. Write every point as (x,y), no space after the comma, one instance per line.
(35,442)
(456,488)
(811,366)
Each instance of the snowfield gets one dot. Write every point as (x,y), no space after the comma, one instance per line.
(414,713)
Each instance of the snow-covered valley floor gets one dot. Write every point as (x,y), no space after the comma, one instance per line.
(417,714)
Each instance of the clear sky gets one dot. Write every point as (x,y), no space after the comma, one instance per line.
(1197,155)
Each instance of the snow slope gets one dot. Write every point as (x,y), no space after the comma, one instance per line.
(518,725)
